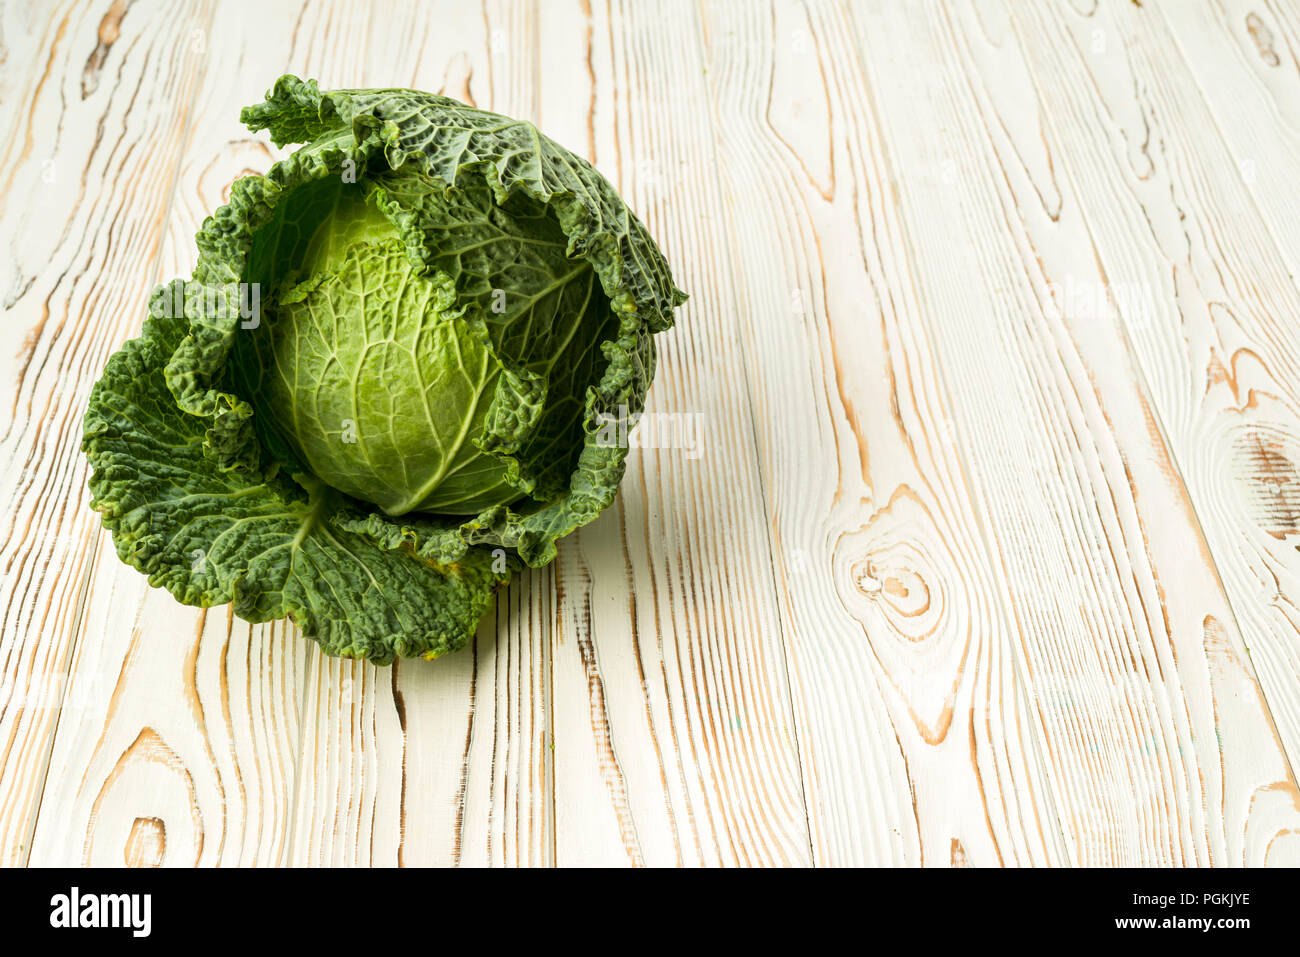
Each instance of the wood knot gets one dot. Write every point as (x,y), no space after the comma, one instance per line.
(146,843)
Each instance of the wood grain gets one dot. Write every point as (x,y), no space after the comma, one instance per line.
(986,554)
(1071,478)
(916,737)
(87,179)
(681,743)
(1218,360)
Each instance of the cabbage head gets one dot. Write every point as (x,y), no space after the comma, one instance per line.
(388,384)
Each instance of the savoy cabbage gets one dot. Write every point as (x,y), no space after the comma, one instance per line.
(384,386)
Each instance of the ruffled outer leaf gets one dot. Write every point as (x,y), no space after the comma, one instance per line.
(271,547)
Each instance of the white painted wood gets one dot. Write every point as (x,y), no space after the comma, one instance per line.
(1214,337)
(965,573)
(670,707)
(910,713)
(87,179)
(1243,59)
(1092,532)
(1244,62)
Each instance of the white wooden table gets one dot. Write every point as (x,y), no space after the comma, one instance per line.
(990,556)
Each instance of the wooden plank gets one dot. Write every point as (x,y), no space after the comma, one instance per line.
(918,746)
(1110,581)
(673,733)
(29,34)
(1213,337)
(87,178)
(1243,58)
